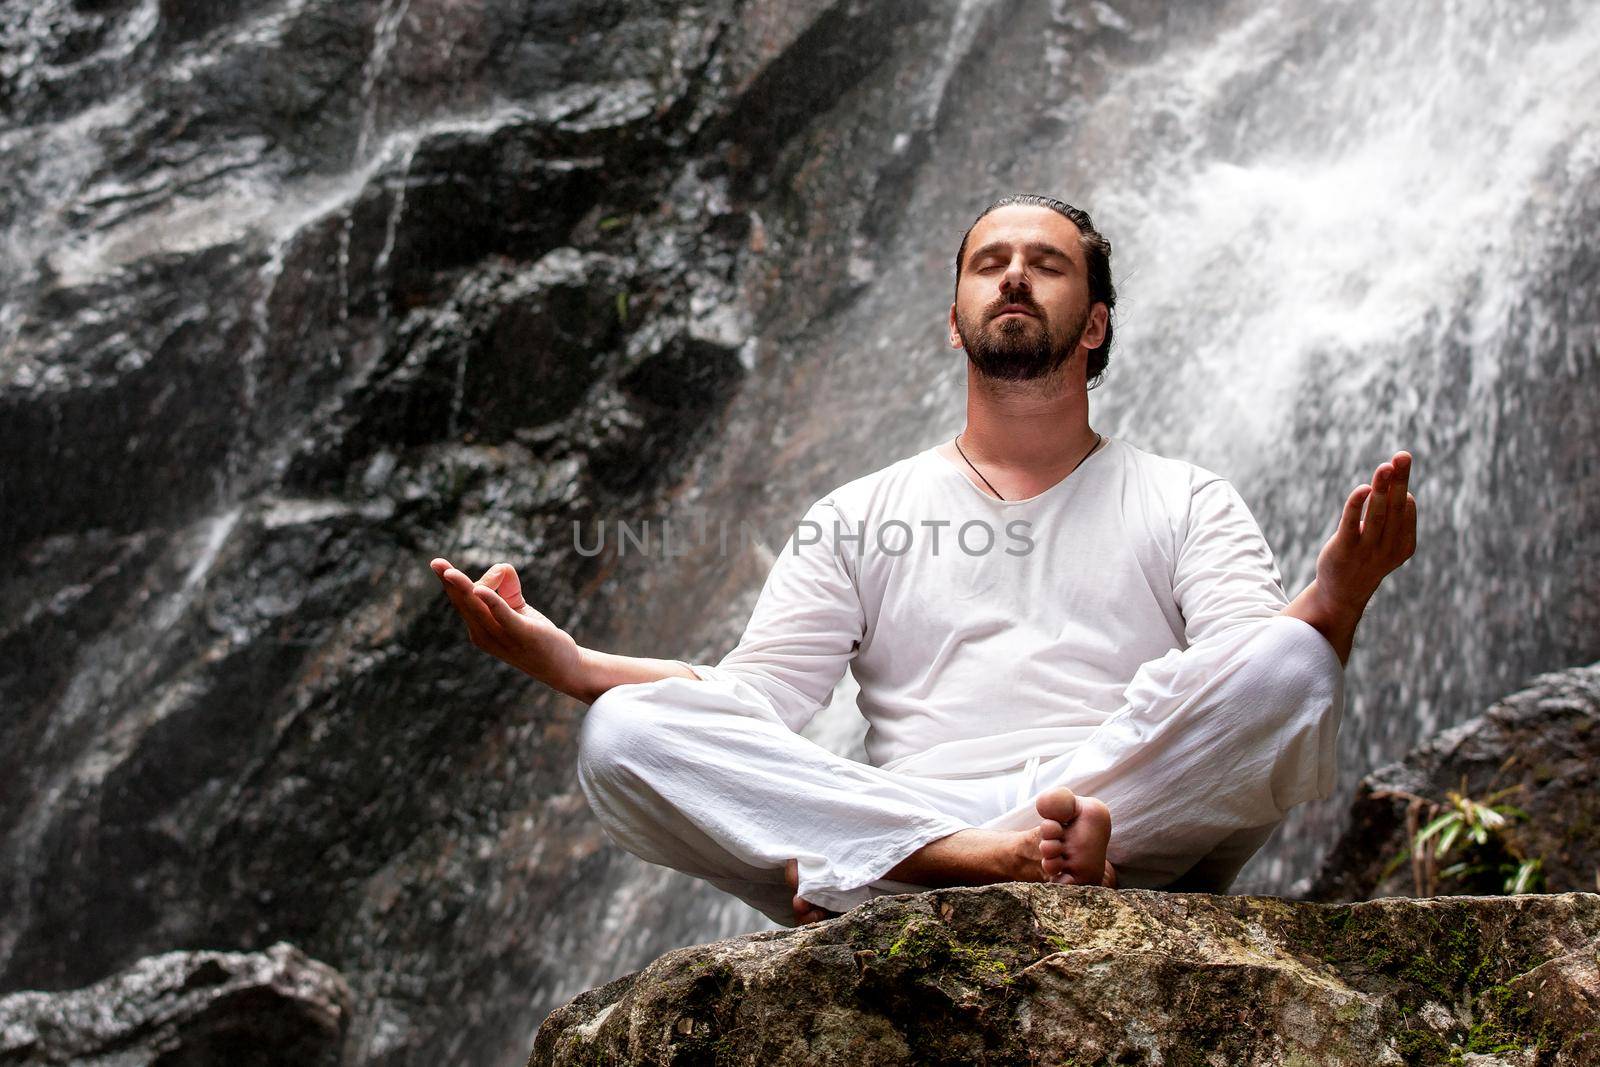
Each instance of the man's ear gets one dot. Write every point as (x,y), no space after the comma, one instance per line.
(955,338)
(1094,335)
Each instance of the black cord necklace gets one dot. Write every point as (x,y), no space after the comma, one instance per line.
(996,492)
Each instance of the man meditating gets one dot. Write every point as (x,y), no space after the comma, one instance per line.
(1076,660)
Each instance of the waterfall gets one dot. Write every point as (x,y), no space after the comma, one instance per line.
(294,297)
(1339,231)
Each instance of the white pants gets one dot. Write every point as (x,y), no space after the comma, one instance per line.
(1213,744)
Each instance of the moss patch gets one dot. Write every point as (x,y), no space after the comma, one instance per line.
(928,945)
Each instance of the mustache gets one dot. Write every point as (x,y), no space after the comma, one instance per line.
(1026,305)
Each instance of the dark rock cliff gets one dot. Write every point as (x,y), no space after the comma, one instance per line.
(297,298)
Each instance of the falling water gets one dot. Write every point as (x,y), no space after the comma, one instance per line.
(1335,233)
(381,268)
(1340,229)
(385,34)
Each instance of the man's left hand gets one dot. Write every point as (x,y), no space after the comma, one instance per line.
(1363,550)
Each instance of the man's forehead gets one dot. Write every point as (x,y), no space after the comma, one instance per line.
(1023,224)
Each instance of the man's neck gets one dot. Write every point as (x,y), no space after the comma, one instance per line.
(1025,430)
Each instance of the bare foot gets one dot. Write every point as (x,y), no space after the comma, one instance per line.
(1073,836)
(804,911)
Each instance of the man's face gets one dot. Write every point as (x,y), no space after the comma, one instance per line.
(1029,258)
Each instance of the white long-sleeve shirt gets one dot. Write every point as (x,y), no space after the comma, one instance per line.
(971,661)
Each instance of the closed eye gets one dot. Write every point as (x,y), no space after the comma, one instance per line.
(996,266)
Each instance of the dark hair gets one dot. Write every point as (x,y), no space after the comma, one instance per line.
(1097,253)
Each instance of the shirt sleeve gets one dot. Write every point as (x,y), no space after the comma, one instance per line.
(807,624)
(1225,574)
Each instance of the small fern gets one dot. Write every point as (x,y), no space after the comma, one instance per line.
(1477,831)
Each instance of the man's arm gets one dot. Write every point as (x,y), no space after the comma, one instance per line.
(502,623)
(1360,554)
(807,624)
(1225,574)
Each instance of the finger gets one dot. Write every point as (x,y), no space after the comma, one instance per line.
(503,614)
(1394,532)
(1398,485)
(455,581)
(510,588)
(1394,504)
(439,565)
(1402,462)
(482,630)
(1408,541)
(1350,518)
(493,577)
(477,614)
(1377,504)
(502,578)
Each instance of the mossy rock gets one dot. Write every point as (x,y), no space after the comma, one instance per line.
(1027,973)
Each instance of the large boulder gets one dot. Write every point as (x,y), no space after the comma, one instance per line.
(1045,974)
(1540,747)
(244,1009)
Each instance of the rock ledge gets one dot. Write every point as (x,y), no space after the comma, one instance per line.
(244,1009)
(1040,974)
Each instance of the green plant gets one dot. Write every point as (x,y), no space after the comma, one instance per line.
(1478,832)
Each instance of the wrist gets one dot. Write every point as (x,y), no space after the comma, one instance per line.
(1340,600)
(582,679)
(1334,621)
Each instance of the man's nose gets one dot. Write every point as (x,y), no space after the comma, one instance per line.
(1015,278)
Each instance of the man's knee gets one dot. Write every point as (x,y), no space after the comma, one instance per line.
(614,727)
(1299,677)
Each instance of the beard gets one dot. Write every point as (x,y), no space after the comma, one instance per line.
(1019,349)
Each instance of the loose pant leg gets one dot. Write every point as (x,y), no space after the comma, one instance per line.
(704,777)
(1213,744)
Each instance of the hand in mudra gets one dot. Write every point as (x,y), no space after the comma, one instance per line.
(1363,550)
(506,626)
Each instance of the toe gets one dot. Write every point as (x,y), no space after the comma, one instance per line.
(1060,804)
(806,913)
(1093,808)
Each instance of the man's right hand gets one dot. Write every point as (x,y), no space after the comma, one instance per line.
(506,626)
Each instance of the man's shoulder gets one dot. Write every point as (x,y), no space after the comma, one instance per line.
(1180,476)
(871,492)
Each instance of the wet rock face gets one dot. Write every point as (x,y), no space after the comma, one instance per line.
(297,296)
(245,1009)
(1021,973)
(1540,746)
